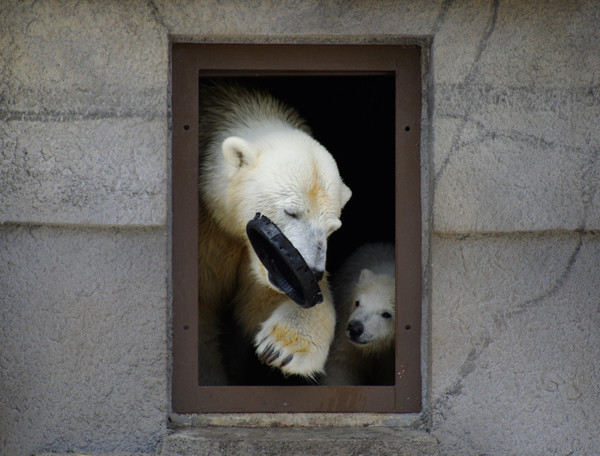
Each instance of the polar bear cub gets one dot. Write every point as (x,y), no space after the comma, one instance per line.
(257,156)
(364,295)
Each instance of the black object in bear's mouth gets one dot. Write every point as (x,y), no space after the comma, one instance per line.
(287,269)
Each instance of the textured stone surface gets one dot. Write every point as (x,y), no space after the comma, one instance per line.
(515,147)
(84,347)
(292,441)
(511,175)
(515,362)
(71,60)
(509,85)
(541,44)
(120,453)
(83,113)
(297,441)
(98,172)
(498,179)
(268,20)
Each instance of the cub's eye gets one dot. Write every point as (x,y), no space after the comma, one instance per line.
(357,303)
(386,315)
(291,213)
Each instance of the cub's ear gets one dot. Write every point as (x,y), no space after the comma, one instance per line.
(365,274)
(346,194)
(238,152)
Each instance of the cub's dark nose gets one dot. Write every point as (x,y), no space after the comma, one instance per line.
(318,274)
(355,329)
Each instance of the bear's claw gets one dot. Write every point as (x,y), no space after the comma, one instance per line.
(270,354)
(264,356)
(282,356)
(286,360)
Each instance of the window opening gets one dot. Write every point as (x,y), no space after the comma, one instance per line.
(365,111)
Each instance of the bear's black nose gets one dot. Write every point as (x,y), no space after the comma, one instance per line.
(355,329)
(318,273)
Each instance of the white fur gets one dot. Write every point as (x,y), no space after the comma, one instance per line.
(309,345)
(364,294)
(263,164)
(373,307)
(257,155)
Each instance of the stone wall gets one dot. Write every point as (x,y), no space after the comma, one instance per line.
(511,172)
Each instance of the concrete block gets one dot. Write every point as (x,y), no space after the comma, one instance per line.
(74,60)
(514,126)
(83,331)
(515,160)
(515,44)
(298,441)
(515,331)
(84,113)
(272,21)
(542,44)
(120,453)
(467,23)
(98,172)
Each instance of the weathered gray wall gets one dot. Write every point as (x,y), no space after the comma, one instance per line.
(511,176)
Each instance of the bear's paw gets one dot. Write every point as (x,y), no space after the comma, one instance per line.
(295,340)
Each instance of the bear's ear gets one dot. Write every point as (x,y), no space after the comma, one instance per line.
(238,152)
(346,194)
(365,274)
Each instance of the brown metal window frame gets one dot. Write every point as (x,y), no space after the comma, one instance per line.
(191,61)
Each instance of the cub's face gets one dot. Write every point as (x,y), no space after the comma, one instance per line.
(371,324)
(292,180)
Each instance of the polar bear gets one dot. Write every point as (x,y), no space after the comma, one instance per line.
(257,155)
(364,294)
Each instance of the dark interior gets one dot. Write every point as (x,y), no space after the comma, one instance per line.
(353,118)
